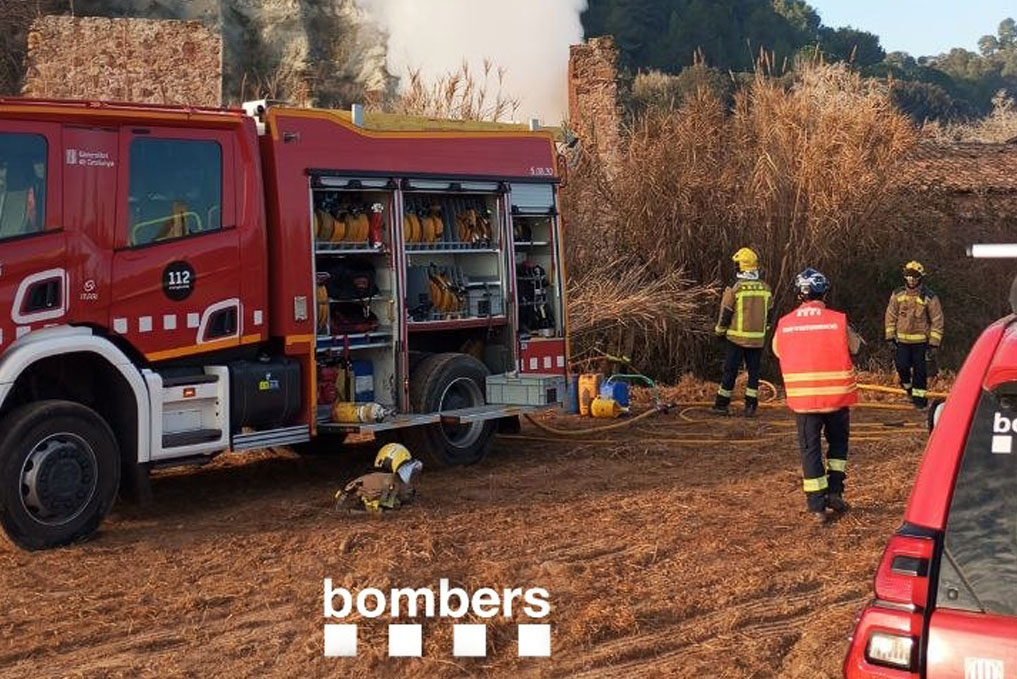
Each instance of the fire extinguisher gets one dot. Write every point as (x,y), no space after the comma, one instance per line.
(377,218)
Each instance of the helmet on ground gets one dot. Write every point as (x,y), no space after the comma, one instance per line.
(811,284)
(391,457)
(746,259)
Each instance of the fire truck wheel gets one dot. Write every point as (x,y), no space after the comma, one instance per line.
(59,473)
(444,382)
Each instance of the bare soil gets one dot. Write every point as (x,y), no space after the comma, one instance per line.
(662,557)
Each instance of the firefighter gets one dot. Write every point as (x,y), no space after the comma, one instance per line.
(389,485)
(914,325)
(814,345)
(746,312)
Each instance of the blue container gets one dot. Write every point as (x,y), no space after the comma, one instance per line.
(363,372)
(572,402)
(617,390)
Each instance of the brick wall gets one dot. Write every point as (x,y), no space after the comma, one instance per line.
(594,111)
(136,60)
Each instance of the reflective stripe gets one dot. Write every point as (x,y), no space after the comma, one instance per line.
(890,332)
(739,330)
(822,391)
(906,337)
(746,335)
(720,330)
(919,393)
(724,392)
(815,485)
(836,465)
(936,335)
(818,376)
(752,393)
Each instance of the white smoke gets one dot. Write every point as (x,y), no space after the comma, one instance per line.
(528,38)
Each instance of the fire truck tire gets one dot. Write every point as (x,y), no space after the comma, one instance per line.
(449,382)
(59,473)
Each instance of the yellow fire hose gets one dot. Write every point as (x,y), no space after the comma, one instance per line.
(771,401)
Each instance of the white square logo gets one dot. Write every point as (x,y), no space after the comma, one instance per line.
(469,641)
(534,641)
(405,641)
(1002,445)
(340,641)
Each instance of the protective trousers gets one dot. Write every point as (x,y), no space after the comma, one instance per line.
(819,478)
(733,360)
(912,370)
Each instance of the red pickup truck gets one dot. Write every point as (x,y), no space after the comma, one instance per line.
(945,603)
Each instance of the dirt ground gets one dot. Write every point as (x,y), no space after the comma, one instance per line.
(665,553)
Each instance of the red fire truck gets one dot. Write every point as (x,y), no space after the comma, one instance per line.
(182,282)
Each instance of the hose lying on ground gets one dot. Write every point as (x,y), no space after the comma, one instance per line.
(770,402)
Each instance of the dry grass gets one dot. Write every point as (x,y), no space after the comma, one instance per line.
(630,297)
(462,94)
(999,127)
(797,172)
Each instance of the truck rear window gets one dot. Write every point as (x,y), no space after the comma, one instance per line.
(978,569)
(22,184)
(175,189)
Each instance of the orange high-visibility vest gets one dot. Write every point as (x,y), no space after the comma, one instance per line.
(812,344)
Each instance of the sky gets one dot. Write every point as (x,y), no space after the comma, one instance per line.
(919,27)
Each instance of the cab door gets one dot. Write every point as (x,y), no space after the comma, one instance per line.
(176,278)
(973,628)
(33,258)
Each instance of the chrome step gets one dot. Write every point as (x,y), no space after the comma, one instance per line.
(269,439)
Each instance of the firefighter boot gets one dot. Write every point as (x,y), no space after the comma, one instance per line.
(821,518)
(720,405)
(751,405)
(835,501)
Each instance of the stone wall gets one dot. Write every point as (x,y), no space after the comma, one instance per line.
(136,60)
(594,110)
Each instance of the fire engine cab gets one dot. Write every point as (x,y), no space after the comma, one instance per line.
(179,282)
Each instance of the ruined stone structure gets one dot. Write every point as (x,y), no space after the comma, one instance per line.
(311,52)
(594,110)
(137,60)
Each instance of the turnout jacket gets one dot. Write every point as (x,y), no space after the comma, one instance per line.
(914,317)
(746,311)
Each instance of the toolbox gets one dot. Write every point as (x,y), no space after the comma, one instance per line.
(526,389)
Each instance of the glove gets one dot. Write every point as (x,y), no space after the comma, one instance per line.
(891,341)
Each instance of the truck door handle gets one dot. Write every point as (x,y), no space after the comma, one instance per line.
(42,296)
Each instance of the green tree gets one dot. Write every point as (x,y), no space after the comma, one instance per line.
(848,44)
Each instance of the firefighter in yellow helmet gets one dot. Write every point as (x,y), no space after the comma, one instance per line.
(914,325)
(389,485)
(746,312)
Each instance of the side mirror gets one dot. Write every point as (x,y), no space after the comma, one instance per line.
(935,410)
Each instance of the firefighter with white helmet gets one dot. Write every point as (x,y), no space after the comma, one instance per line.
(914,326)
(389,485)
(746,311)
(814,345)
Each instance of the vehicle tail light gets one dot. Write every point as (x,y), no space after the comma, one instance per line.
(892,650)
(888,635)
